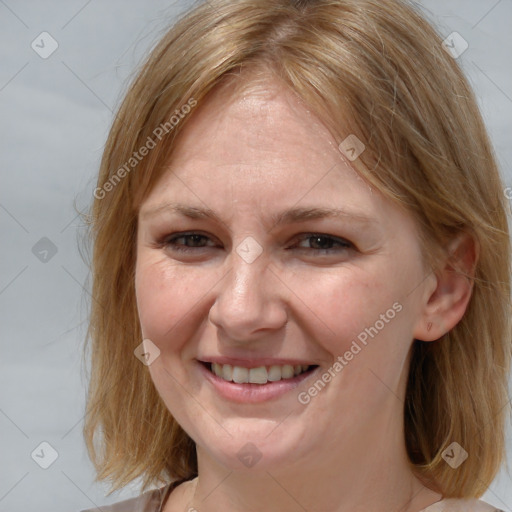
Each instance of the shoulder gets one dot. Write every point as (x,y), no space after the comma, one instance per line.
(461,505)
(150,501)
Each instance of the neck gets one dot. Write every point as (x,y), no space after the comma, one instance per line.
(369,472)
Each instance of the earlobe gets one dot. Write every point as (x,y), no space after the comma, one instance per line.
(435,329)
(448,302)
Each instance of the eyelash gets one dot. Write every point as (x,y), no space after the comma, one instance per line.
(170,241)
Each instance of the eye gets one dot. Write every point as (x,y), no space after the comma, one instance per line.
(188,242)
(195,239)
(325,243)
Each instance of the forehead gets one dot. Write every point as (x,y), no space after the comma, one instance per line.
(257,147)
(261,129)
(248,119)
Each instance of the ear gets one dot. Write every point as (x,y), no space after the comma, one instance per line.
(447,299)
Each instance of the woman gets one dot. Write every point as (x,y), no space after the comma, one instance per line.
(301,269)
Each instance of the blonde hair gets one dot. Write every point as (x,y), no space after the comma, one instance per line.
(375,69)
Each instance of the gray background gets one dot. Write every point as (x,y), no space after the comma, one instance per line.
(55,116)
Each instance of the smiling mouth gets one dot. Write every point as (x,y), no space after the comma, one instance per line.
(258,375)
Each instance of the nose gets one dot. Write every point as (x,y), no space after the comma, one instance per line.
(250,300)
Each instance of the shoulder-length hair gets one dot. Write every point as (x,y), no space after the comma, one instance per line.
(375,69)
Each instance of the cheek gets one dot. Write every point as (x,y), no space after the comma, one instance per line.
(368,308)
(164,296)
(346,303)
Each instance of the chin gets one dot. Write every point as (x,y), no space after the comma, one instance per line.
(254,446)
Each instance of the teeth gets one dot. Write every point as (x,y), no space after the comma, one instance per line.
(240,374)
(287,371)
(217,369)
(274,373)
(227,372)
(259,375)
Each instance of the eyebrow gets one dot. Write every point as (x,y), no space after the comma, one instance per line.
(293,215)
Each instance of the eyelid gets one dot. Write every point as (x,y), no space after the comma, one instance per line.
(166,239)
(345,244)
(338,239)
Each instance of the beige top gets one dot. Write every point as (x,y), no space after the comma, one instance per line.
(154,501)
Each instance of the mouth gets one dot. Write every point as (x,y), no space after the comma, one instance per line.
(262,375)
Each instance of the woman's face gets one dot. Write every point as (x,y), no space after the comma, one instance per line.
(237,265)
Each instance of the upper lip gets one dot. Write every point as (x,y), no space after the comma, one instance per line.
(253,362)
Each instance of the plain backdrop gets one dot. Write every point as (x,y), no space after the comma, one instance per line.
(55,116)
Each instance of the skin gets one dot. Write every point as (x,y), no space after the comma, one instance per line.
(247,156)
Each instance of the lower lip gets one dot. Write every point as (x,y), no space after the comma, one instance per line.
(253,393)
